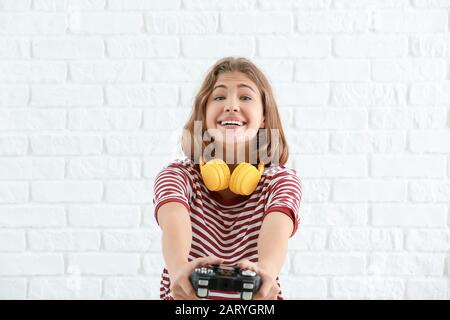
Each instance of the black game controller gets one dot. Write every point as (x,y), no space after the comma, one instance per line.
(225,278)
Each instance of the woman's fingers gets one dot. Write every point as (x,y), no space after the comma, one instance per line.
(189,291)
(273,294)
(184,284)
(208,260)
(268,290)
(266,285)
(247,265)
(180,293)
(180,296)
(177,293)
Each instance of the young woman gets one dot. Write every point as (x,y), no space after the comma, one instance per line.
(231,201)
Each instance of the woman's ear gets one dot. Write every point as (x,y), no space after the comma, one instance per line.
(263,124)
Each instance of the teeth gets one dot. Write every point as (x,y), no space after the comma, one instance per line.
(237,123)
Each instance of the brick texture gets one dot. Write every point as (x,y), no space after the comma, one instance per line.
(94,95)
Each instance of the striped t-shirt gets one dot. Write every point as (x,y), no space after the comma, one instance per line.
(228,231)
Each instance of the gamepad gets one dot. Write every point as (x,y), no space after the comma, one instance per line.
(225,278)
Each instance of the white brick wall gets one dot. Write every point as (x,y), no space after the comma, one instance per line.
(93,96)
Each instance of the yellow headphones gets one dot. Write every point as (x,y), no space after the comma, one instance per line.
(216,176)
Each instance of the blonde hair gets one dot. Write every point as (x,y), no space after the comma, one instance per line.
(270,110)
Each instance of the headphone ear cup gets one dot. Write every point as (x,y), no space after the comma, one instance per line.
(215,174)
(244,179)
(235,179)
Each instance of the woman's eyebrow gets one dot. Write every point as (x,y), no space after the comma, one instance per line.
(239,86)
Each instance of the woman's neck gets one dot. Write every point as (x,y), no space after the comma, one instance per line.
(227,195)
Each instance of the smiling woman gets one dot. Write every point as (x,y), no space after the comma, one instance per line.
(235,90)
(235,104)
(232,212)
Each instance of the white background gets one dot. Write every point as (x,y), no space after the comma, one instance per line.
(93,96)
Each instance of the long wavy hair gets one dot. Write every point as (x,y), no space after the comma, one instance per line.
(194,140)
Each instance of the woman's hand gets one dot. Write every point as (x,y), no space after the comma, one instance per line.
(269,288)
(180,284)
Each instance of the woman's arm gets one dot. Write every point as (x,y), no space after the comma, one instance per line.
(273,242)
(176,227)
(273,239)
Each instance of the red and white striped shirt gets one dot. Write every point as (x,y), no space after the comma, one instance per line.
(228,231)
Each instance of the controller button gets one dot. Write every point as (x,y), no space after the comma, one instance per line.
(248,286)
(202,292)
(203,282)
(249,273)
(246,295)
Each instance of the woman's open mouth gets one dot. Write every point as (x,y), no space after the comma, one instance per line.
(231,124)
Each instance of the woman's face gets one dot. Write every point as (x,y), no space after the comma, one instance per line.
(234,109)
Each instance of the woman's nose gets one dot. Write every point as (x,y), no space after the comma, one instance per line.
(235,108)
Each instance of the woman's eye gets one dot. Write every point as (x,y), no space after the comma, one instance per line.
(220,98)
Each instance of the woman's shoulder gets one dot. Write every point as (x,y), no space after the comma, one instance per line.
(280,177)
(181,162)
(182,165)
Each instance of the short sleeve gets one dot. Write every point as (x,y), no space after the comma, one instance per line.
(285,194)
(171,185)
